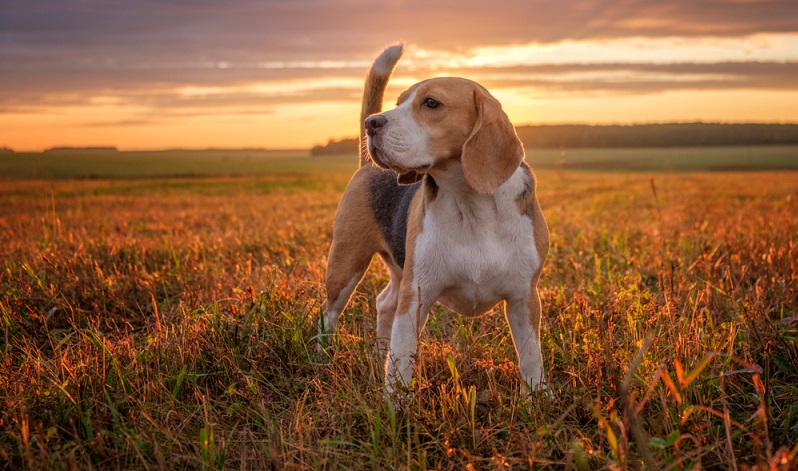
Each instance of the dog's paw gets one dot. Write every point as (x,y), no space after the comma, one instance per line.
(540,390)
(397,395)
(323,341)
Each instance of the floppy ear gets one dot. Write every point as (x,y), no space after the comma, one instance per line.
(493,151)
(409,177)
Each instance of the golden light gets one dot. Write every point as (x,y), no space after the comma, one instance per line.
(301,112)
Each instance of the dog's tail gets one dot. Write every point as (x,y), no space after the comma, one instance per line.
(374,90)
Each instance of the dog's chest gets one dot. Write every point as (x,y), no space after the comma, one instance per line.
(478,259)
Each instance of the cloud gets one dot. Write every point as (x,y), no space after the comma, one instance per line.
(247,92)
(626,79)
(157,31)
(143,53)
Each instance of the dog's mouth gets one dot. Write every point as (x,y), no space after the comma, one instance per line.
(375,152)
(404,175)
(377,156)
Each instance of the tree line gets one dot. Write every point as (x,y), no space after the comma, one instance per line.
(637,135)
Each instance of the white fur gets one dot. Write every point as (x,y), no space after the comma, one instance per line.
(474,251)
(387,60)
(386,305)
(402,142)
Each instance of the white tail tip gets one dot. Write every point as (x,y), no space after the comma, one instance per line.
(387,60)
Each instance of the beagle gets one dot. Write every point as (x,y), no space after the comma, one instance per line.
(450,207)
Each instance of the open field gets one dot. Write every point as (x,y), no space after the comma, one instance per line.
(669,159)
(194,163)
(169,324)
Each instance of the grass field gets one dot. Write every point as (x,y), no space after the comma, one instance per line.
(182,163)
(169,323)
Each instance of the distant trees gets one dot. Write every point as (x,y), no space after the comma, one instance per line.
(83,149)
(638,135)
(658,135)
(343,146)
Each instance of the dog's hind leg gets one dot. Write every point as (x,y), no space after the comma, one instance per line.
(345,268)
(356,238)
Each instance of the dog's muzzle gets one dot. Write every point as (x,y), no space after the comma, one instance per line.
(373,125)
(375,122)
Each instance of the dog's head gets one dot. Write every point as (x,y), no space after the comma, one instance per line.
(442,120)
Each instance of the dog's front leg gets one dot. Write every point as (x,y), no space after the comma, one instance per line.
(411,315)
(387,302)
(523,315)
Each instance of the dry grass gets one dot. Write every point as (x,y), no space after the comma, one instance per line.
(169,324)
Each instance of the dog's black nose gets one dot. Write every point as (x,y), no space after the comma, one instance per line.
(375,122)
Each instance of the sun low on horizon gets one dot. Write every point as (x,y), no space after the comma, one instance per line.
(276,75)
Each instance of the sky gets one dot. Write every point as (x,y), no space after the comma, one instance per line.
(154,74)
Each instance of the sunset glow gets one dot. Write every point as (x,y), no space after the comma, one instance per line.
(165,87)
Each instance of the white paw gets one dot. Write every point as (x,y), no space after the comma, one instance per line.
(537,390)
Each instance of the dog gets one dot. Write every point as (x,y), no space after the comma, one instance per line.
(444,196)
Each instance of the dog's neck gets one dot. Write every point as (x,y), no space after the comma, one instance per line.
(453,193)
(450,180)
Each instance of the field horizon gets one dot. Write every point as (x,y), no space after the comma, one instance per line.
(104,163)
(573,135)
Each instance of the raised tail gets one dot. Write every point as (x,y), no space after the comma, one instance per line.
(374,91)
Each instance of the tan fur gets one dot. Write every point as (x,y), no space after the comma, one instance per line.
(529,206)
(356,237)
(448,129)
(493,151)
(415,225)
(470,126)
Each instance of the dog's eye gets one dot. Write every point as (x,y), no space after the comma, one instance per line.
(431,103)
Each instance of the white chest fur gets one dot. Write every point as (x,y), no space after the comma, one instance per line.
(476,250)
